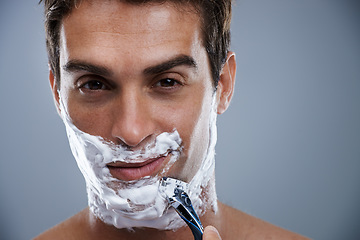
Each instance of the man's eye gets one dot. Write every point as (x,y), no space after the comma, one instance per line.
(167,83)
(94,85)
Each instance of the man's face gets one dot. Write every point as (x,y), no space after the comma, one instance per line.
(131,72)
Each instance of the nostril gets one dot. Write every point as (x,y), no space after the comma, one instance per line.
(130,138)
(134,140)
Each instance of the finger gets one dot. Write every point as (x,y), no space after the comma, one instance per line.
(211,233)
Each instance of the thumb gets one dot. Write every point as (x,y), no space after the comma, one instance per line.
(211,233)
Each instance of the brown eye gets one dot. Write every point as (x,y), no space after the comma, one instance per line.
(94,85)
(167,82)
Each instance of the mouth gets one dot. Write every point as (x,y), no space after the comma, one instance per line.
(134,171)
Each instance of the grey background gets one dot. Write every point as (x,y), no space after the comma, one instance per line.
(289,146)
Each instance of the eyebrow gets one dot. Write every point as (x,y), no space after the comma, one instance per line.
(174,62)
(77,65)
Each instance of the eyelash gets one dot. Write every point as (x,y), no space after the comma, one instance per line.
(169,82)
(92,84)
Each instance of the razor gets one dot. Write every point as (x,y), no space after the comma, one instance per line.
(174,191)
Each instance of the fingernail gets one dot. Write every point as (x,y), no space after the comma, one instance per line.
(213,229)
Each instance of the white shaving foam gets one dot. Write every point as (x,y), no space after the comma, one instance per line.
(138,203)
(201,188)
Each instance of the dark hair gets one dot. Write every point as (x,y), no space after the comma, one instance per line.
(216,18)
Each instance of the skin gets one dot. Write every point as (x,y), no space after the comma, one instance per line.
(132,100)
(133,107)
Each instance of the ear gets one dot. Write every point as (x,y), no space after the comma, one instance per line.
(55,91)
(226,83)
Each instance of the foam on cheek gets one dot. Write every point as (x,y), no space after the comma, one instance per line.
(201,188)
(138,203)
(124,204)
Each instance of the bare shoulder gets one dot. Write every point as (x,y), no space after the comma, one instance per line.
(72,228)
(245,226)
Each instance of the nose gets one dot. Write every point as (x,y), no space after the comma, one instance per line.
(133,123)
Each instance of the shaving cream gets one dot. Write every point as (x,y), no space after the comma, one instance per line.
(138,203)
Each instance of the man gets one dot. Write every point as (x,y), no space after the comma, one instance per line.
(138,85)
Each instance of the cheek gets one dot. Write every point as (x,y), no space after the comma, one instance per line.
(199,141)
(86,118)
(193,127)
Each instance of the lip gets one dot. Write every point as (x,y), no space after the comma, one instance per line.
(134,171)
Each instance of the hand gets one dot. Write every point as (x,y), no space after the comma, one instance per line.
(211,233)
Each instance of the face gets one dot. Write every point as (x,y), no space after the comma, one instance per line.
(129,77)
(132,72)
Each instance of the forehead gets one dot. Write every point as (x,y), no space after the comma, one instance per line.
(115,24)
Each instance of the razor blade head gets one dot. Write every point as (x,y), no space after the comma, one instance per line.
(170,186)
(175,192)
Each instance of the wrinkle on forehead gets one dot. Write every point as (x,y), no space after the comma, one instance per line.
(145,25)
(142,18)
(136,37)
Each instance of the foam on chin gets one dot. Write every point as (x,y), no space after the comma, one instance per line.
(138,203)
